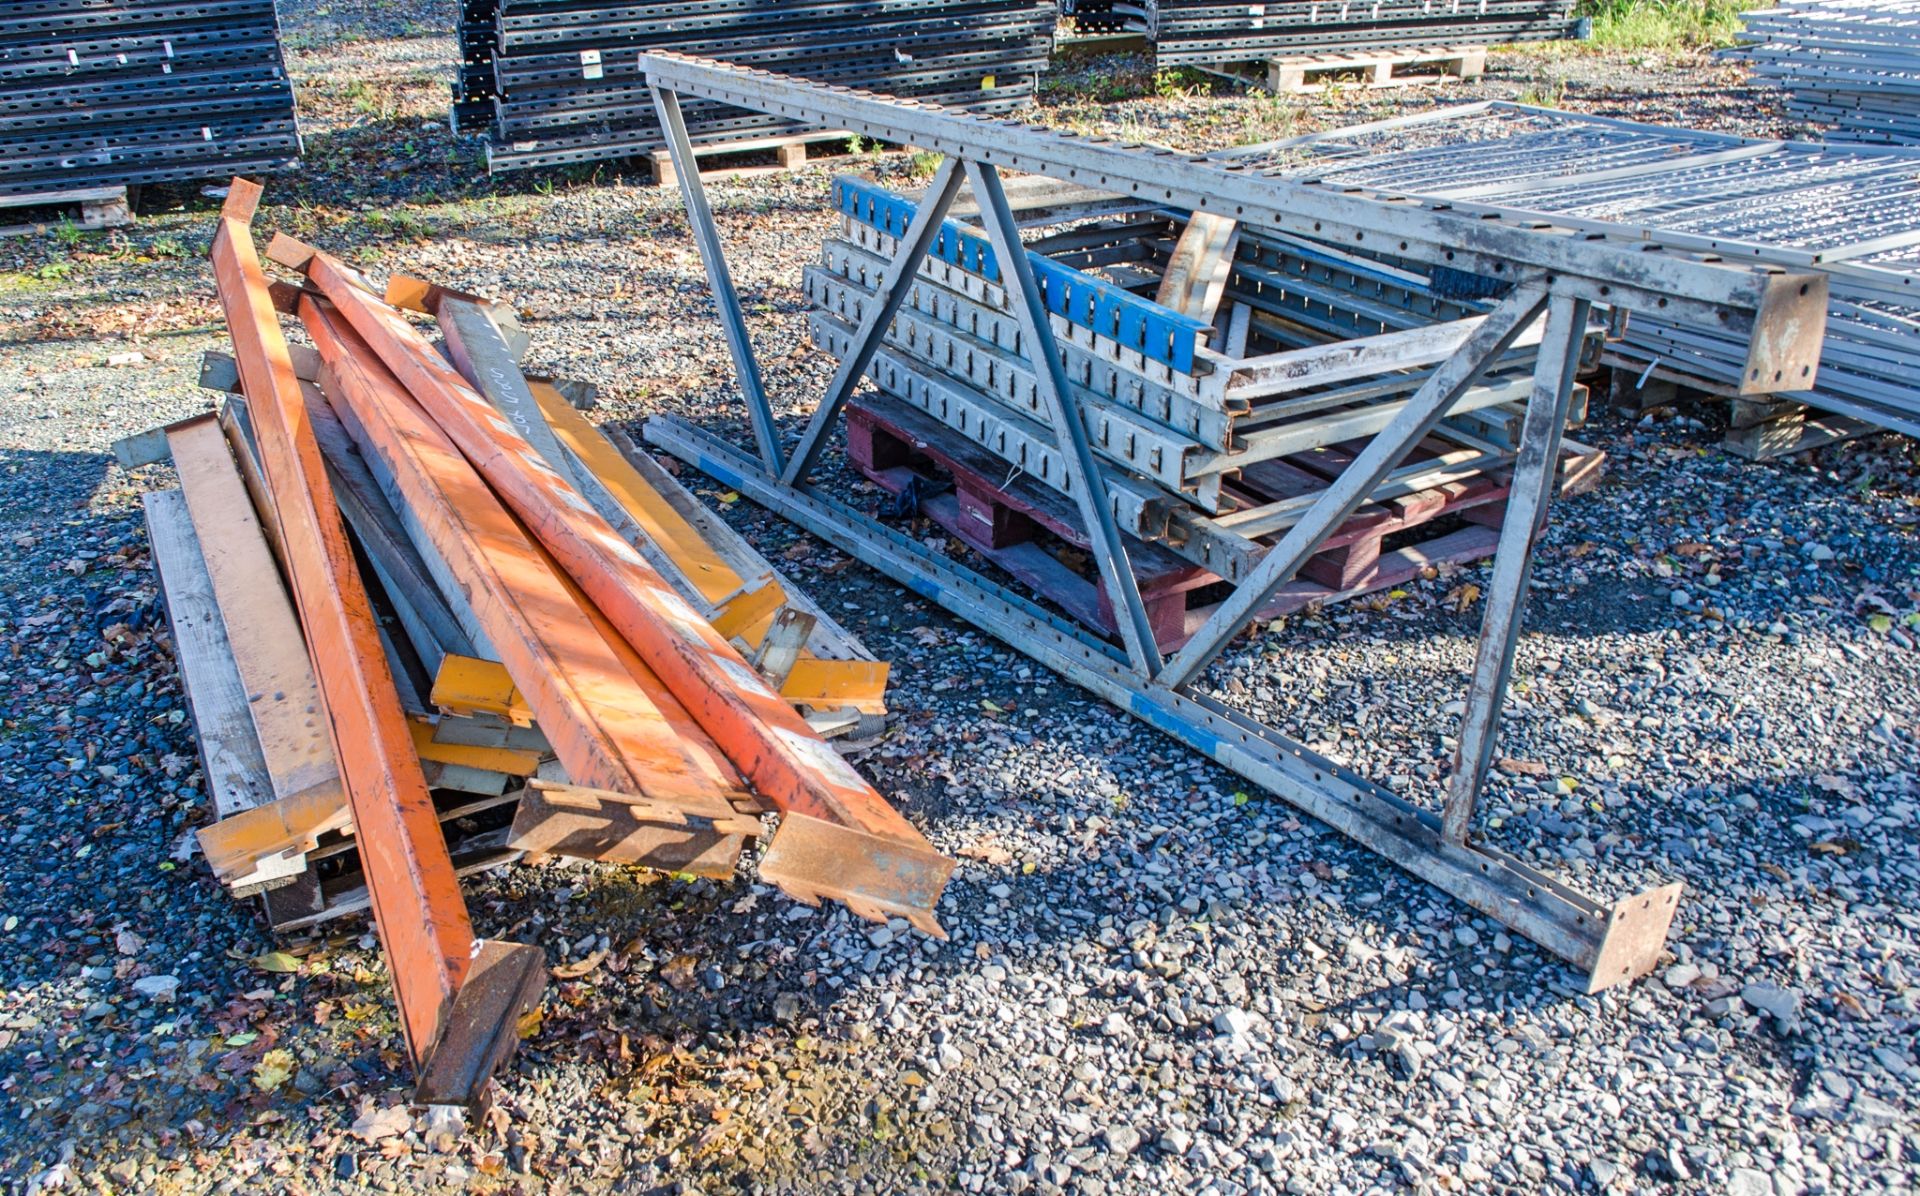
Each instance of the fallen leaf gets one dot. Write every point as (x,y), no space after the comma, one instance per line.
(1836,784)
(1529,768)
(987,852)
(1851,1004)
(374,1125)
(1776,871)
(276,961)
(274,1069)
(579,968)
(678,972)
(1462,597)
(530,1021)
(1834,847)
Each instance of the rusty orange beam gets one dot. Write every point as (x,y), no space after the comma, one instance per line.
(602,726)
(418,911)
(838,837)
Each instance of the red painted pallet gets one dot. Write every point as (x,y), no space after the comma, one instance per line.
(1035,534)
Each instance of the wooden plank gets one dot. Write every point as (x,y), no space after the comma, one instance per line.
(235,769)
(268,648)
(1198,269)
(237,423)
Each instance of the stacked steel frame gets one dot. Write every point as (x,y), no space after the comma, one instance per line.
(1199,33)
(556,81)
(1853,65)
(123,92)
(1851,212)
(1205,435)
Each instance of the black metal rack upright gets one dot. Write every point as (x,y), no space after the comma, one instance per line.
(557,81)
(100,93)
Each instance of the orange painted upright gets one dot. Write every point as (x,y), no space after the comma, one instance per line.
(838,837)
(417,907)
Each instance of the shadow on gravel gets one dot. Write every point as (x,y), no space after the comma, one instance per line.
(42,486)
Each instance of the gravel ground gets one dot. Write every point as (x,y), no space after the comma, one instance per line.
(1156,982)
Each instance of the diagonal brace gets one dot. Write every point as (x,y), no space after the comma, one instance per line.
(1050,380)
(1428,405)
(1534,471)
(894,287)
(725,298)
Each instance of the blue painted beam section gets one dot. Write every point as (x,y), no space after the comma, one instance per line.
(1162,334)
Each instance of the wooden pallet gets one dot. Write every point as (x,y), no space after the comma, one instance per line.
(1401,68)
(1035,534)
(1759,427)
(747,159)
(87,208)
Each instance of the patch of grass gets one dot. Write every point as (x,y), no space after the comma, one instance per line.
(1664,24)
(1181,83)
(399,222)
(923,163)
(1546,91)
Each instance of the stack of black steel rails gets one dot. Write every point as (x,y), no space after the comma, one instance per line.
(113,93)
(556,81)
(1203,34)
(1093,17)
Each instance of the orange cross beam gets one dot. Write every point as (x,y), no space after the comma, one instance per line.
(459,999)
(838,837)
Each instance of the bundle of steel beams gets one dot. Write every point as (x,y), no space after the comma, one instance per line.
(556,81)
(124,92)
(1850,65)
(1203,33)
(1851,213)
(501,631)
(1540,280)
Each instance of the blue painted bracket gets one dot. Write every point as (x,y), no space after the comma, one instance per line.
(1160,333)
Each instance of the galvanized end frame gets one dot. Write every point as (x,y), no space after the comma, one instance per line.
(1549,269)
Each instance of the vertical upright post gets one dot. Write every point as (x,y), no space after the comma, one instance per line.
(1050,378)
(719,278)
(1534,475)
(919,238)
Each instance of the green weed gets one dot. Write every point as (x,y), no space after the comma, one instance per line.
(1664,24)
(1181,83)
(923,163)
